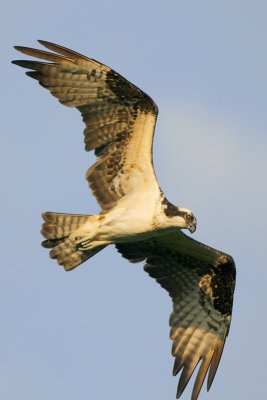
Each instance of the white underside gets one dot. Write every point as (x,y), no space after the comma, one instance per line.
(135,217)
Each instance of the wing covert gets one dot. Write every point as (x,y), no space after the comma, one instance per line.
(119,117)
(200,280)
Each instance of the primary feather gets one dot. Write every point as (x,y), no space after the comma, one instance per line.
(119,126)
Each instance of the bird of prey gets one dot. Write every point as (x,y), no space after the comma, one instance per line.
(135,215)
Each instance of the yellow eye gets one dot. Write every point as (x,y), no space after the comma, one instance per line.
(189,217)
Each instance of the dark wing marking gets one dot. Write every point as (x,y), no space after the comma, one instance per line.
(200,281)
(119,118)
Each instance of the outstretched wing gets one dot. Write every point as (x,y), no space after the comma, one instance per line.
(200,281)
(119,118)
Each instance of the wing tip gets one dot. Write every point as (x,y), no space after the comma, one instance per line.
(215,363)
(48,45)
(19,48)
(41,41)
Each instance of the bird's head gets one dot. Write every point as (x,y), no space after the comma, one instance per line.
(184,219)
(190,221)
(179,217)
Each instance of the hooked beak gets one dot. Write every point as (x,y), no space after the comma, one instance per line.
(192,226)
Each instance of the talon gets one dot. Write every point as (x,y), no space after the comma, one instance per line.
(83,245)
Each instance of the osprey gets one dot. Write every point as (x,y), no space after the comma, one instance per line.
(135,215)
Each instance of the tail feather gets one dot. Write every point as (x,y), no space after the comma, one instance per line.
(59,225)
(56,230)
(49,244)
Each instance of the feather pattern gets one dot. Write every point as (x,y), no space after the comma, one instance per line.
(56,229)
(200,281)
(119,118)
(119,126)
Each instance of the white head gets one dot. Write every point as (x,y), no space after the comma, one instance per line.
(179,217)
(188,219)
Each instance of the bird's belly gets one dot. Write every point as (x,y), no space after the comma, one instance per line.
(135,217)
(130,225)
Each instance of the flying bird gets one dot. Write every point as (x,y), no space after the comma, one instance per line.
(135,215)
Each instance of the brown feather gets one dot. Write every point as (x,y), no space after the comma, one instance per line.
(114,111)
(200,281)
(202,372)
(56,230)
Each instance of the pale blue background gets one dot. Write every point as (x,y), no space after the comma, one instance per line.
(101,331)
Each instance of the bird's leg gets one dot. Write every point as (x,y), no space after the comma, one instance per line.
(85,242)
(90,244)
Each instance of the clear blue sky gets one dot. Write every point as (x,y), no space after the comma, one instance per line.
(101,331)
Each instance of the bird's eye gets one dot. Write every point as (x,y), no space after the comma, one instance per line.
(189,217)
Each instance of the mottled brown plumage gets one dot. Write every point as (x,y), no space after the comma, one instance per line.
(111,109)
(200,281)
(135,215)
(56,229)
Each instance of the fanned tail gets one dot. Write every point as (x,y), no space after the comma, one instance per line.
(56,229)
